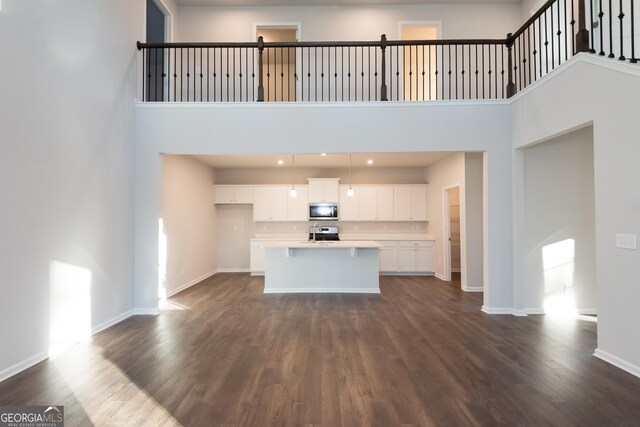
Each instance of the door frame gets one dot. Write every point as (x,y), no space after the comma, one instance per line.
(284,26)
(446,231)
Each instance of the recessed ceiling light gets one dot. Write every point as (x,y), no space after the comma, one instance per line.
(323,154)
(281,162)
(370,161)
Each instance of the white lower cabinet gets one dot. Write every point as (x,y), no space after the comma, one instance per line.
(388,256)
(415,256)
(256,259)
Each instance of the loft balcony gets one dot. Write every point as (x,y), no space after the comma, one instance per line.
(389,70)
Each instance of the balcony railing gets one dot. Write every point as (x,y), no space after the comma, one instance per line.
(390,70)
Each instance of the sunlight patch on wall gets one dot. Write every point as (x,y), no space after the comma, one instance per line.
(558,262)
(162,261)
(69,306)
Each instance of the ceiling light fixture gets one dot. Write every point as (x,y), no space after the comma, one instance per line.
(370,161)
(323,154)
(281,162)
(293,192)
(350,192)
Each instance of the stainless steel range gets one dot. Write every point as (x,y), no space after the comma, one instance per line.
(323,233)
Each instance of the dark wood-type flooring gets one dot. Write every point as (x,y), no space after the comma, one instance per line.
(421,353)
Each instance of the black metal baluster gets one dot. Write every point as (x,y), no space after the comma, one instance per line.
(470,85)
(535,74)
(169,74)
(275,73)
(397,73)
(227,75)
(240,74)
(188,75)
(449,72)
(566,42)
(600,15)
(511,87)
(546,43)
(477,86)
(233,75)
(435,78)
(573,28)
(342,73)
(335,72)
(483,74)
(611,55)
(455,55)
(375,74)
(593,44)
(201,75)
(423,89)
(144,74)
(253,74)
(430,73)
(462,72)
(148,75)
(281,74)
(362,73)
(502,86)
(621,17)
(559,33)
(633,59)
(540,44)
(443,73)
(246,73)
(322,73)
(553,55)
(315,70)
(489,72)
(309,74)
(369,71)
(155,75)
(269,75)
(302,73)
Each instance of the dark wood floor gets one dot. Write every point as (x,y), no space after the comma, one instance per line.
(421,353)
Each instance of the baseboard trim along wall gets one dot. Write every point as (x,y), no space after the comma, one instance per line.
(617,362)
(440,276)
(473,288)
(21,366)
(153,311)
(191,283)
(233,270)
(322,290)
(520,312)
(588,311)
(109,323)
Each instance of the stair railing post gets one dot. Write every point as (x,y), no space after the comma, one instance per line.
(383,88)
(511,87)
(260,83)
(582,36)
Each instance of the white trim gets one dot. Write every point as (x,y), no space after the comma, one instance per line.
(432,24)
(440,276)
(234,270)
(497,310)
(153,311)
(519,312)
(588,311)
(406,273)
(191,283)
(21,366)
(617,362)
(472,288)
(257,273)
(322,290)
(109,323)
(535,311)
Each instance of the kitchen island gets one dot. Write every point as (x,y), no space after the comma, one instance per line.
(334,267)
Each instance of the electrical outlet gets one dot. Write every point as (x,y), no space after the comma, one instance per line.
(626,241)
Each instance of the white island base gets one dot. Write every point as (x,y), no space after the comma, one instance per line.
(334,267)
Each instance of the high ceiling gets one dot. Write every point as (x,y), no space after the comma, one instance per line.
(331,160)
(242,3)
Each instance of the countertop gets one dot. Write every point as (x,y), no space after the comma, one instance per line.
(344,237)
(299,244)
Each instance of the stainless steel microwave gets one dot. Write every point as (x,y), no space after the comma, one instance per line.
(323,211)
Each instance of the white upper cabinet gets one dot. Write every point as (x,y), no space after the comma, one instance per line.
(323,190)
(348,208)
(298,207)
(375,203)
(270,203)
(410,203)
(233,194)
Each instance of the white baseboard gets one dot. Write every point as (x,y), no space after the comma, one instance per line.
(153,311)
(21,366)
(588,311)
(257,273)
(534,310)
(440,276)
(233,270)
(191,283)
(519,312)
(473,288)
(109,323)
(322,291)
(617,362)
(403,273)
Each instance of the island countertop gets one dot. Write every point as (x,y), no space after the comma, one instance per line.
(299,244)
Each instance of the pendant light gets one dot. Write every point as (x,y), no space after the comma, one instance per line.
(293,192)
(350,192)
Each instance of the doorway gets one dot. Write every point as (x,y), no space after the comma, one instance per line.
(418,62)
(453,267)
(156,32)
(279,63)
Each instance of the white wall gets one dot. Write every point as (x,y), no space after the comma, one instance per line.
(66,161)
(448,172)
(235,228)
(190,223)
(221,129)
(348,22)
(472,225)
(370,175)
(602,92)
(559,205)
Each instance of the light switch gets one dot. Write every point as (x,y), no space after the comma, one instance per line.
(626,241)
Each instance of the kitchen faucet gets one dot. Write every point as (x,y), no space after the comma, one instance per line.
(315,224)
